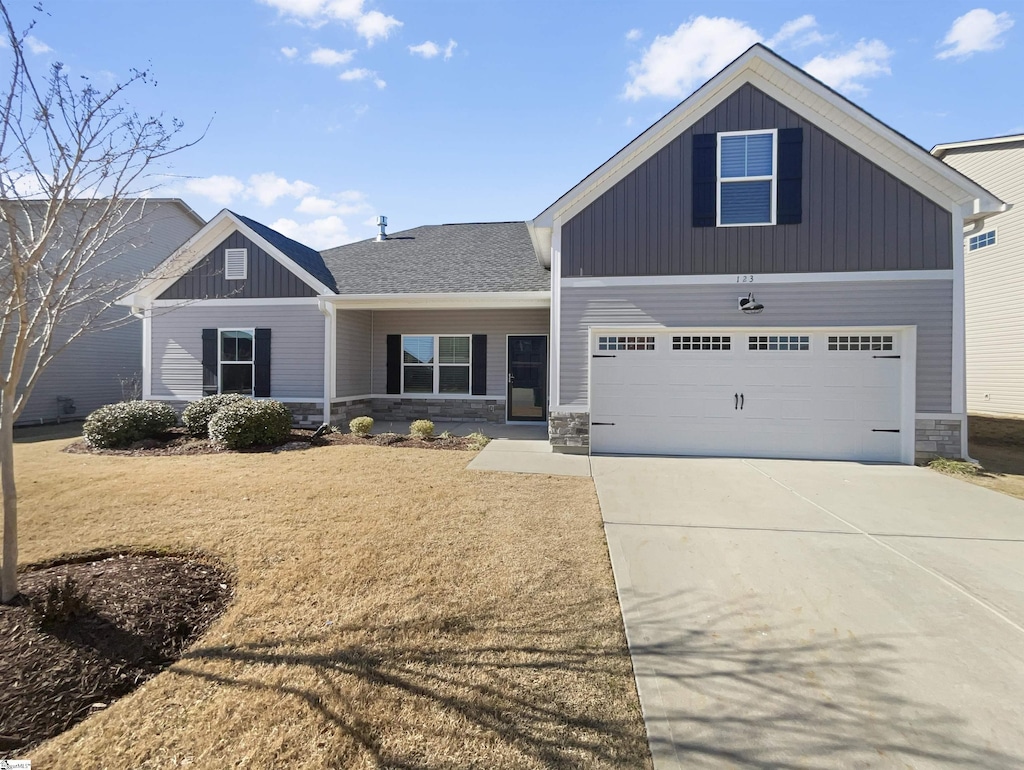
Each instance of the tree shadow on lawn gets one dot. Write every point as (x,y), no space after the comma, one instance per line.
(749,700)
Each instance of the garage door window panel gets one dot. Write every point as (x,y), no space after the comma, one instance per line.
(707,342)
(625,343)
(779,342)
(860,342)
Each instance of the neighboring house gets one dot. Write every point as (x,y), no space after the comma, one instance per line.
(767,271)
(102,366)
(994,276)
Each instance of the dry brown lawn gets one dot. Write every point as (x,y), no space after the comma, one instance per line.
(392,609)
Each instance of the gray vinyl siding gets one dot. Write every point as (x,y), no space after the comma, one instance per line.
(856,216)
(266,276)
(926,304)
(496,324)
(296,352)
(354,352)
(994,284)
(91,369)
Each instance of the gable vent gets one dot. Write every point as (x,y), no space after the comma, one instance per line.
(236,262)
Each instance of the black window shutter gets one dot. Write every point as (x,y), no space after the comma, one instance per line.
(261,359)
(209,362)
(478,376)
(705,178)
(789,206)
(394,376)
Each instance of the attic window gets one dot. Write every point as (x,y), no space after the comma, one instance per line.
(976,242)
(236,263)
(746,178)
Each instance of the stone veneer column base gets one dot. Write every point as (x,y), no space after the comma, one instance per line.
(306,414)
(346,411)
(439,409)
(569,432)
(937,438)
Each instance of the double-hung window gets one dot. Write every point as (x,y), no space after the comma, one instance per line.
(746,178)
(236,361)
(435,363)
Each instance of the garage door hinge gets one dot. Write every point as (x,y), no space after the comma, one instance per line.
(602,423)
(601,355)
(885,356)
(885,430)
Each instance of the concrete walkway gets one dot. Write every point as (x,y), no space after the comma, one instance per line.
(797,614)
(519,455)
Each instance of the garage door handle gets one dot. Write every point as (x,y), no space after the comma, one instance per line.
(735,400)
(885,430)
(885,356)
(601,355)
(741,401)
(602,423)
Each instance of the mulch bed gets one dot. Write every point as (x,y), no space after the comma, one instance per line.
(177,441)
(140,612)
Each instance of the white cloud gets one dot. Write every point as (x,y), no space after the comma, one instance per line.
(35,45)
(328,57)
(349,202)
(674,64)
(222,190)
(975,31)
(844,71)
(374,26)
(268,187)
(290,53)
(428,49)
(318,233)
(633,34)
(362,74)
(370,25)
(798,33)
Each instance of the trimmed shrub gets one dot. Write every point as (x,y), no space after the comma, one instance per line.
(477,440)
(121,424)
(361,426)
(250,423)
(422,428)
(197,414)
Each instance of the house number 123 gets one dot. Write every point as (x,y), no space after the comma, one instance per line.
(744,279)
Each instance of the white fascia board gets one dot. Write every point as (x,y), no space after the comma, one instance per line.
(439,301)
(941,149)
(756,279)
(236,302)
(541,239)
(795,89)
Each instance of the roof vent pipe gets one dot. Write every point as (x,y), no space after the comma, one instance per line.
(382,223)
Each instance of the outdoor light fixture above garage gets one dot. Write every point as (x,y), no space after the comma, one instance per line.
(749,305)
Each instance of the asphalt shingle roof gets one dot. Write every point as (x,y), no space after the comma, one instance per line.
(477,257)
(307,258)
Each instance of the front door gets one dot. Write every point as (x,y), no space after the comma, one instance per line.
(527,378)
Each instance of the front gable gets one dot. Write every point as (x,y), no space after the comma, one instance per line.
(851,213)
(265,277)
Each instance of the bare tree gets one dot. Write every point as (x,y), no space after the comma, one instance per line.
(75,166)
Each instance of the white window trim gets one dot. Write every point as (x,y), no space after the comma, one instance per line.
(773,178)
(220,363)
(967,240)
(437,364)
(244,253)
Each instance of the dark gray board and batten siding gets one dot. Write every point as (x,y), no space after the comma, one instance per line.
(267,278)
(856,216)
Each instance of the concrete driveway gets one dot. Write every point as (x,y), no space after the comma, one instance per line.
(790,614)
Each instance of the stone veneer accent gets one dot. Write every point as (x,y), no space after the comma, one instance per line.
(937,438)
(569,429)
(437,409)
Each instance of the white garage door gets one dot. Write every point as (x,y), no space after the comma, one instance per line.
(799,393)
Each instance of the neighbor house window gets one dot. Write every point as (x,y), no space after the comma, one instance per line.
(236,361)
(435,363)
(236,263)
(746,178)
(981,240)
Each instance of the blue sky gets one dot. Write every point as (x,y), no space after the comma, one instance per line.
(324,113)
